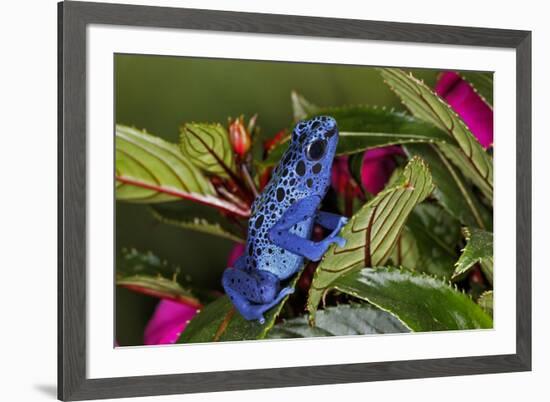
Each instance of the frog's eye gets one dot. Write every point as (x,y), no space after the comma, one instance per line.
(331,132)
(316,150)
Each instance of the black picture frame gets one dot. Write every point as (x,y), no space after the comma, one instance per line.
(73,18)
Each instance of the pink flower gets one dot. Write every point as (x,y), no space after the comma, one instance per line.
(477,115)
(378,166)
(170,317)
(168,322)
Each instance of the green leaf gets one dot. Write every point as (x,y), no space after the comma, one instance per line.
(364,127)
(301,107)
(483,180)
(373,231)
(149,169)
(423,103)
(485,301)
(436,234)
(428,242)
(451,189)
(208,147)
(405,253)
(487,269)
(479,249)
(159,287)
(421,302)
(199,219)
(353,319)
(482,83)
(220,321)
(147,273)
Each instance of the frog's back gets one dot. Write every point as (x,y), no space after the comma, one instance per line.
(262,253)
(295,178)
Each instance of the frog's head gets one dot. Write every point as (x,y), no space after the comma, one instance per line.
(316,139)
(306,165)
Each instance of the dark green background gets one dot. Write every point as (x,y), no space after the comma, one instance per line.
(159,93)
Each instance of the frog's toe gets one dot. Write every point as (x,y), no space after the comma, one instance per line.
(282,294)
(317,253)
(339,240)
(254,312)
(259,309)
(285,291)
(341,224)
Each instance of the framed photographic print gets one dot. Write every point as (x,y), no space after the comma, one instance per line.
(255,201)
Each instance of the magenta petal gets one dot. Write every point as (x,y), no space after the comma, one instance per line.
(168,322)
(378,153)
(375,174)
(340,175)
(235,253)
(446,82)
(477,115)
(378,166)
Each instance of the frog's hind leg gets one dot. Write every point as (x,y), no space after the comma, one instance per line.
(257,286)
(253,292)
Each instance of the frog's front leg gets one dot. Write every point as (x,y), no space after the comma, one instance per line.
(253,292)
(300,211)
(331,221)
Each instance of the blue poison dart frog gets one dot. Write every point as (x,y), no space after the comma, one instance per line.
(282,219)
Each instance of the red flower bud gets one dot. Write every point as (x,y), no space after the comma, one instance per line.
(239,137)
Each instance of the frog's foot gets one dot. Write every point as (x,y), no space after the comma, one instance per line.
(336,240)
(321,247)
(341,223)
(253,292)
(261,309)
(252,311)
(334,234)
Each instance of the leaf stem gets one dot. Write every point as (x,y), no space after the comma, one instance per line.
(231,197)
(201,199)
(249,181)
(161,295)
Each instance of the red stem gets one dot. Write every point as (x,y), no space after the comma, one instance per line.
(189,301)
(201,199)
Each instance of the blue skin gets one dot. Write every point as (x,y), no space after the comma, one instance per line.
(282,219)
